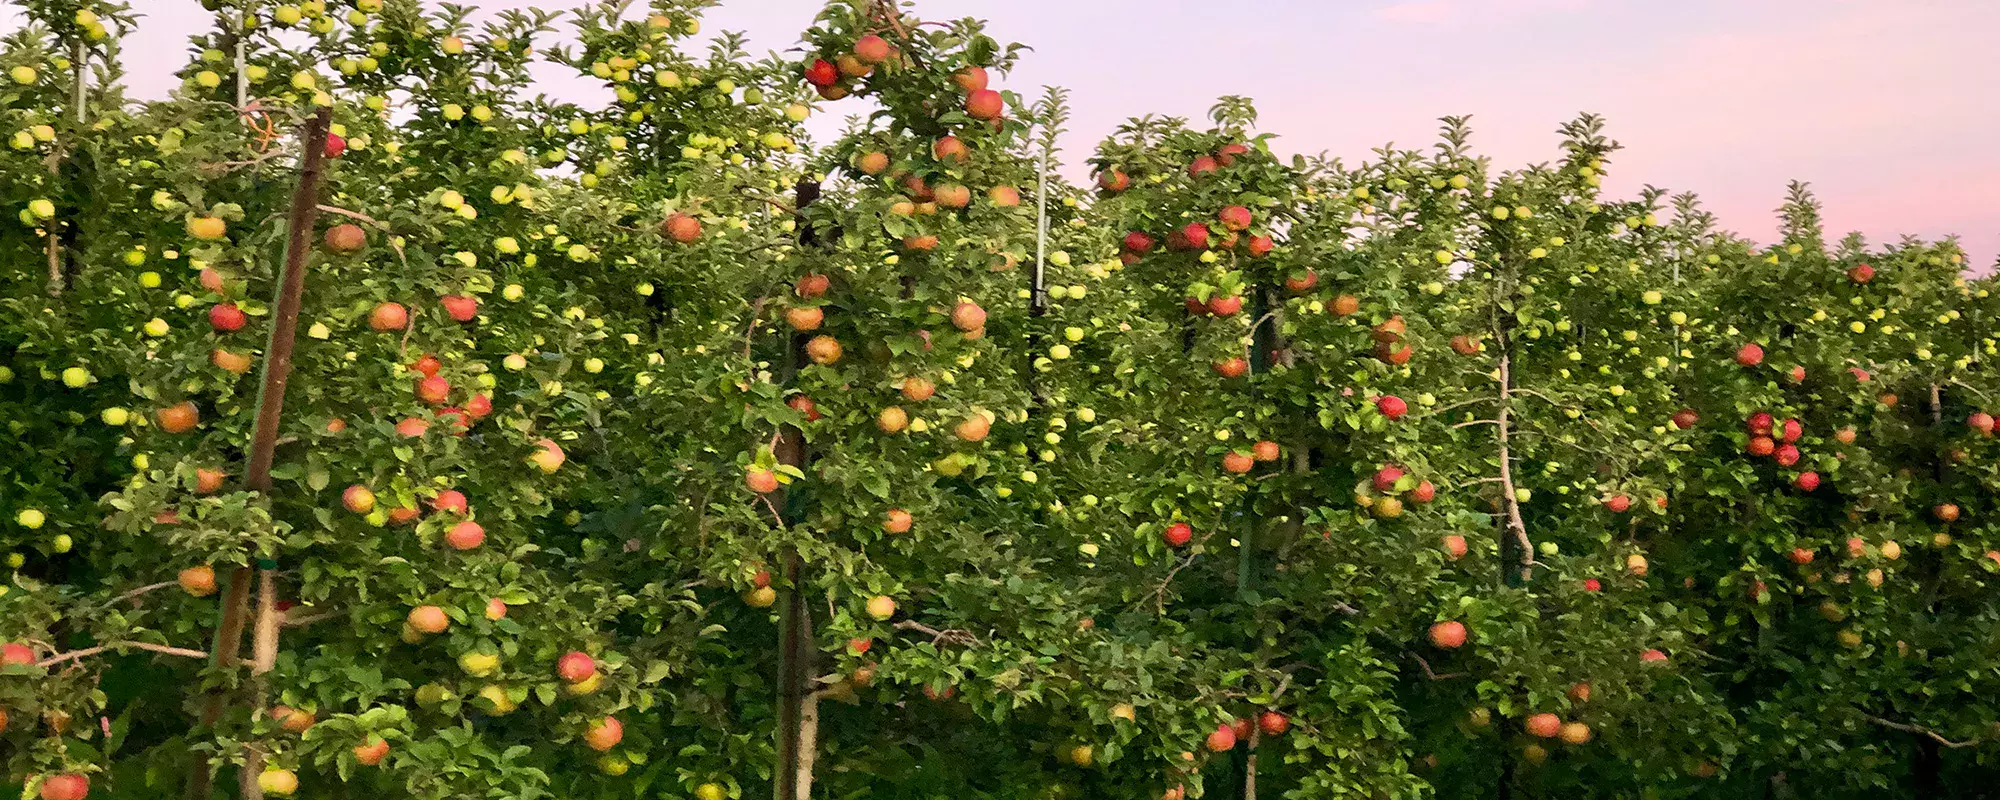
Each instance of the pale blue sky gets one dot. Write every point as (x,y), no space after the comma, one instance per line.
(1888,107)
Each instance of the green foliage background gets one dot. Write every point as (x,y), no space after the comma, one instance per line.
(1710,623)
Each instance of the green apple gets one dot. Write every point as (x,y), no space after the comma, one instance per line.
(76,377)
(31,518)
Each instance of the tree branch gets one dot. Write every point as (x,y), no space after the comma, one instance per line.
(91,651)
(1920,730)
(946,636)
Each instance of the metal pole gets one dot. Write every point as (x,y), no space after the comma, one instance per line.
(1038,300)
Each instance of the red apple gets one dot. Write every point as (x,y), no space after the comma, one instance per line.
(1449,635)
(1386,477)
(336,145)
(1235,218)
(985,104)
(1222,306)
(1544,725)
(1861,273)
(389,317)
(1272,723)
(1454,547)
(462,308)
(575,667)
(1392,406)
(1618,503)
(65,786)
(1750,355)
(465,535)
(433,390)
(1201,165)
(822,72)
(1177,534)
(226,317)
(681,228)
(1685,418)
(1222,740)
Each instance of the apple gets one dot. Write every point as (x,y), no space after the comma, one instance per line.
(358,499)
(604,734)
(1466,344)
(1592,585)
(207,229)
(1750,355)
(823,350)
(1265,450)
(1845,435)
(804,405)
(1980,421)
(1861,273)
(1137,242)
(466,535)
(1235,218)
(1637,565)
(1652,656)
(971,79)
(1797,373)
(1272,723)
(973,428)
(871,49)
(433,390)
(1423,492)
(15,653)
(1387,476)
(953,195)
(1228,154)
(336,145)
(710,791)
(967,316)
(1945,512)
(761,481)
(1575,732)
(1454,547)
(412,427)
(1449,635)
(917,390)
(451,500)
(1392,406)
(462,308)
(549,457)
(1760,446)
(404,515)
(892,419)
(950,148)
(1192,236)
(1790,431)
(822,73)
(1237,463)
(920,244)
(575,667)
(1801,556)
(1786,455)
(985,104)
(1225,306)
(293,720)
(760,597)
(1544,725)
(681,228)
(1232,367)
(226,317)
(804,318)
(429,619)
(65,786)
(208,481)
(198,581)
(1296,284)
(1202,165)
(1113,181)
(812,285)
(1618,503)
(235,363)
(1222,740)
(1760,423)
(897,521)
(346,238)
(389,317)
(881,607)
(1345,305)
(372,753)
(1177,534)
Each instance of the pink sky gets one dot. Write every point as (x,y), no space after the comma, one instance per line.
(1888,107)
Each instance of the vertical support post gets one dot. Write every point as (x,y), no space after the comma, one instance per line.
(1038,291)
(798,715)
(264,441)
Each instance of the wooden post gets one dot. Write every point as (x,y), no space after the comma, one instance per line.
(264,442)
(798,715)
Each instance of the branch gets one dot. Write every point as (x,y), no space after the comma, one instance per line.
(151,587)
(1433,675)
(946,636)
(1533,393)
(91,651)
(1470,423)
(750,331)
(1921,730)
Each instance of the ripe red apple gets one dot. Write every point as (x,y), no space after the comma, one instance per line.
(1192,236)
(1797,373)
(466,535)
(208,481)
(1592,585)
(1759,424)
(1760,446)
(973,428)
(1236,463)
(1386,477)
(389,317)
(971,79)
(433,390)
(1265,450)
(1652,656)
(236,363)
(1449,635)
(985,104)
(952,195)
(1272,723)
(1580,692)
(1750,355)
(1235,218)
(575,667)
(1845,435)
(1228,306)
(1945,512)
(1980,421)
(1260,246)
(1618,503)
(1113,181)
(427,365)
(805,318)
(897,521)
(1685,418)
(968,316)
(1424,492)
(372,753)
(1201,165)
(1300,284)
(920,244)
(950,148)
(871,49)
(15,653)
(404,515)
(1232,367)
(1004,196)
(761,481)
(346,238)
(1861,273)
(462,308)
(1454,547)
(822,73)
(358,499)
(180,417)
(804,405)
(604,734)
(1801,556)
(1392,406)
(823,349)
(412,427)
(1791,430)
(226,317)
(1544,725)
(1229,152)
(1222,740)
(1177,534)
(1138,242)
(65,786)
(681,228)
(812,285)
(450,500)
(336,145)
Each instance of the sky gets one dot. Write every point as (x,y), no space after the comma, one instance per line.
(1889,108)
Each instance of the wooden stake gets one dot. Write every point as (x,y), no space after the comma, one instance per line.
(264,438)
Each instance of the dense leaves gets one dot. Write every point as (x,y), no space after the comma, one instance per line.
(1228,472)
